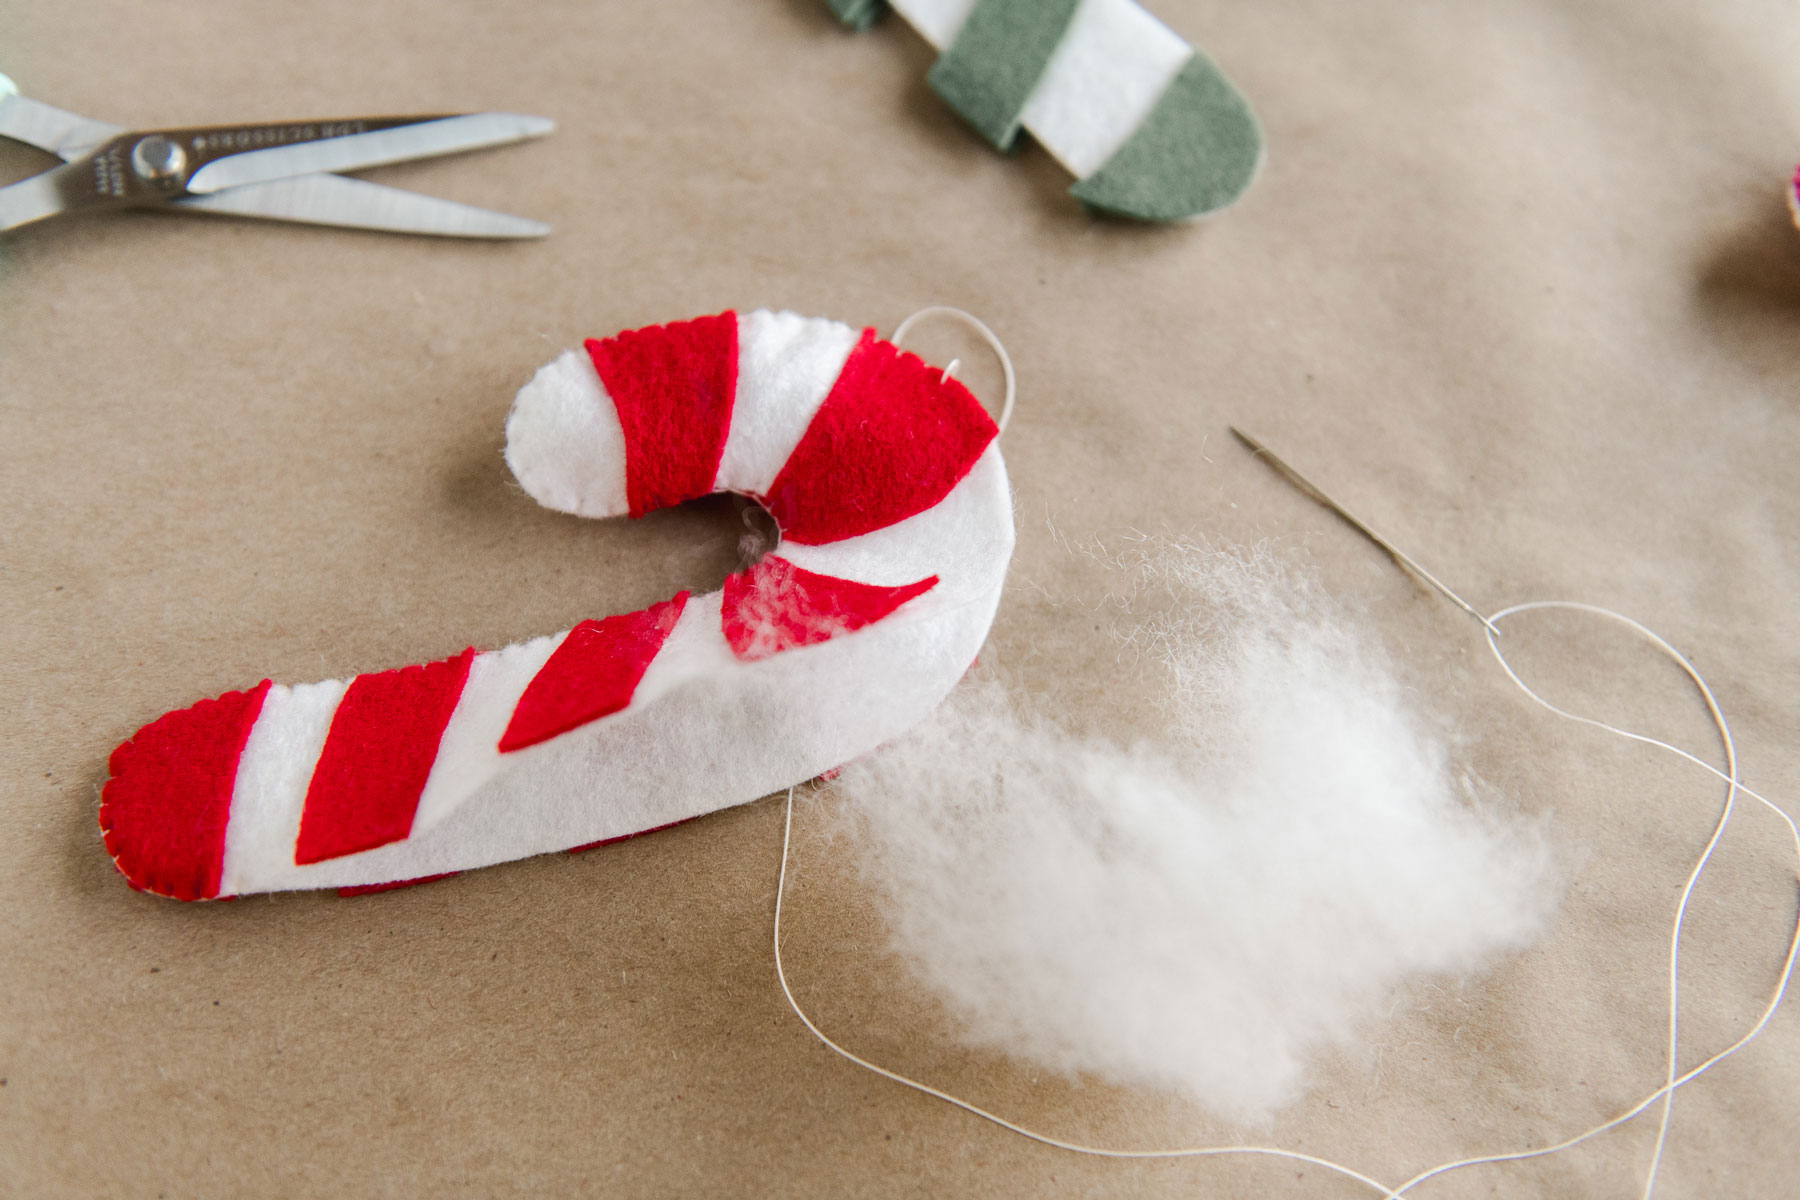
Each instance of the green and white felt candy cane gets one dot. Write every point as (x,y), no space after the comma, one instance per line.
(1150,126)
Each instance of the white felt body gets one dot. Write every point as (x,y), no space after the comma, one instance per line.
(1106,75)
(704,730)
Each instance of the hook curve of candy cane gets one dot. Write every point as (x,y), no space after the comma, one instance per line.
(886,484)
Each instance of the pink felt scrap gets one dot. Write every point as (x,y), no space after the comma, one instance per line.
(776,606)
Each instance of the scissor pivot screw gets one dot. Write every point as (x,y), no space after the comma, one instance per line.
(160,161)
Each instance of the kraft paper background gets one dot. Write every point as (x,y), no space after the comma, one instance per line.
(1517,283)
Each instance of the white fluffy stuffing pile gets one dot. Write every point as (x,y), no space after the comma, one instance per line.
(1205,909)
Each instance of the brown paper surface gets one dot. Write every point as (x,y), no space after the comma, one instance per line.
(1516,283)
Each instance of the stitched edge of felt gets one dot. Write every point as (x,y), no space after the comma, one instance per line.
(164,811)
(999,55)
(816,621)
(1197,152)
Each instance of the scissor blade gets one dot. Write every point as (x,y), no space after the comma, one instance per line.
(32,200)
(62,133)
(359,204)
(424,140)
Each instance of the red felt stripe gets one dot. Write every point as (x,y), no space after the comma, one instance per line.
(626,837)
(592,674)
(890,441)
(673,386)
(163,812)
(383,740)
(776,606)
(369,889)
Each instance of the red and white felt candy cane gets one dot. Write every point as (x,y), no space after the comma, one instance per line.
(886,484)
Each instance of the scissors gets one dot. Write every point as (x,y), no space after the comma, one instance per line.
(281,172)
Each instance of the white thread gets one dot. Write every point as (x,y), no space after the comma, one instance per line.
(1672,1079)
(987,335)
(1195,1152)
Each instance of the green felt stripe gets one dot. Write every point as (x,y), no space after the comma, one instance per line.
(1195,153)
(999,55)
(857,14)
